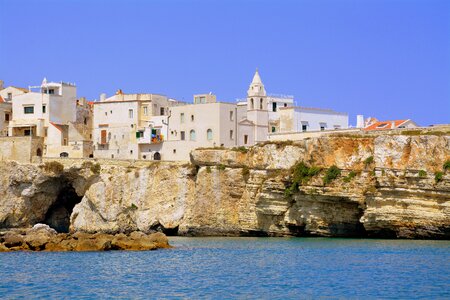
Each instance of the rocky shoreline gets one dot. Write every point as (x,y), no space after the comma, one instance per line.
(43,238)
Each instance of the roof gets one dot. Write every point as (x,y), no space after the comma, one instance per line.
(383,125)
(19,88)
(256,78)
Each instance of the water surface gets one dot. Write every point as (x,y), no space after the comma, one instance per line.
(268,268)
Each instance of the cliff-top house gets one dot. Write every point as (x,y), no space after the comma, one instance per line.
(53,112)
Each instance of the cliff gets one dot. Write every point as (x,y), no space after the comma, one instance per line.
(381,186)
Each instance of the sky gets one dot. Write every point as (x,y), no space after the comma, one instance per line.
(388,59)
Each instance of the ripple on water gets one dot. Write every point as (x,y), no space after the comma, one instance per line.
(237,268)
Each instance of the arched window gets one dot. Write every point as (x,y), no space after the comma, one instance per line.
(261,103)
(252,104)
(192,135)
(209,135)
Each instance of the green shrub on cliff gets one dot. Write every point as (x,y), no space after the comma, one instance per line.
(446,165)
(438,176)
(301,174)
(368,161)
(332,173)
(350,176)
(95,168)
(241,149)
(220,167)
(422,173)
(53,166)
(245,173)
(208,169)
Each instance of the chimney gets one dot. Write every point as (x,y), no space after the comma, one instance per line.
(1,84)
(359,121)
(393,125)
(102,97)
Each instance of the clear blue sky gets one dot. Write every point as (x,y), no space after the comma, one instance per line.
(388,59)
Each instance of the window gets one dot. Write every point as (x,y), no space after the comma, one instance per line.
(130,113)
(285,105)
(10,96)
(174,151)
(44,109)
(182,118)
(85,121)
(51,91)
(323,126)
(28,110)
(106,113)
(131,151)
(231,116)
(209,134)
(6,117)
(103,137)
(261,103)
(162,111)
(231,135)
(274,106)
(182,135)
(245,139)
(252,104)
(192,135)
(304,127)
(192,118)
(145,110)
(139,134)
(27,132)
(273,129)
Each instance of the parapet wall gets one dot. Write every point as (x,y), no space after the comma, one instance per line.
(20,148)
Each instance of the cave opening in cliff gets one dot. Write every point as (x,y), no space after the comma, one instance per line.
(58,215)
(167,231)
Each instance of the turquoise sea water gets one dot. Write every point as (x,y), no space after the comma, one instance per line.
(263,268)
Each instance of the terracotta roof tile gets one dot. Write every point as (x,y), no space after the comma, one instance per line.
(383,125)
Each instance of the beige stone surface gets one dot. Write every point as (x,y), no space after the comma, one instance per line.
(231,192)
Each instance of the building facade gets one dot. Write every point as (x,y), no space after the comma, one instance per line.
(53,112)
(125,125)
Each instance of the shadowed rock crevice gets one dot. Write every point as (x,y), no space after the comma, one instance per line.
(58,215)
(167,231)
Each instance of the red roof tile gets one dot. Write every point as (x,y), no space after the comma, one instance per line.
(382,125)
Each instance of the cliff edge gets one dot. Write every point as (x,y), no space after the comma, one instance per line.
(394,186)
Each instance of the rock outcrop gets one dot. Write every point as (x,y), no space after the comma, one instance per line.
(43,238)
(387,186)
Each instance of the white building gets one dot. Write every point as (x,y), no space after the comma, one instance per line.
(302,119)
(125,125)
(52,112)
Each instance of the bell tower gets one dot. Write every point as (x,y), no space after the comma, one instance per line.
(257,108)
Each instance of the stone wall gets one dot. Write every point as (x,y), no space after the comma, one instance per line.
(20,148)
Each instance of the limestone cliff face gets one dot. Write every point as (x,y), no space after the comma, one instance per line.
(386,188)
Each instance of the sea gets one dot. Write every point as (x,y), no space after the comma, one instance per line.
(236,268)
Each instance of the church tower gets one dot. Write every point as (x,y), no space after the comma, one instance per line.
(257,108)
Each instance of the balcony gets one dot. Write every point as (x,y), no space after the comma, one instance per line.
(150,139)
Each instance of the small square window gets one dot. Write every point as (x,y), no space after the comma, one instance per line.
(28,110)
